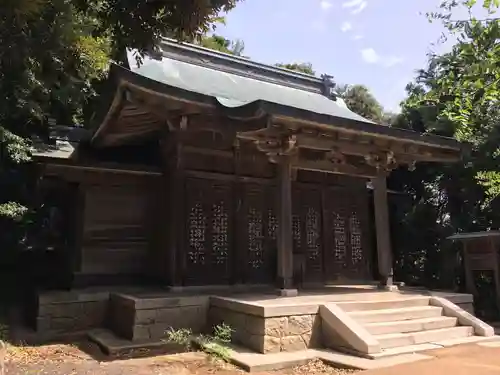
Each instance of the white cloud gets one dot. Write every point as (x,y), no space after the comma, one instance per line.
(356,6)
(358,37)
(371,56)
(325,5)
(346,26)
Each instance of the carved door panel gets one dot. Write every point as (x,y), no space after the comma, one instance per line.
(307,233)
(257,233)
(346,234)
(209,252)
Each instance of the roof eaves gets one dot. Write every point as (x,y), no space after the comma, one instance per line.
(259,107)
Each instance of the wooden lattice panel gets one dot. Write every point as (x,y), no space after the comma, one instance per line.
(307,230)
(209,249)
(257,233)
(347,235)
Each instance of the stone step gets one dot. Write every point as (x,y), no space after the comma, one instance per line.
(414,325)
(394,340)
(384,304)
(391,315)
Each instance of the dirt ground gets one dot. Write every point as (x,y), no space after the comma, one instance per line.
(84,358)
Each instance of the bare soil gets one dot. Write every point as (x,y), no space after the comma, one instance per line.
(85,358)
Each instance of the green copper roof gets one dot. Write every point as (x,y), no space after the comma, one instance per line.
(237,90)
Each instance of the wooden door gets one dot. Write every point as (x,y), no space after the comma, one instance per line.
(307,233)
(346,234)
(256,236)
(208,251)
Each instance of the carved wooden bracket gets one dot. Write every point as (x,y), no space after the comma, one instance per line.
(336,157)
(384,161)
(278,146)
(388,161)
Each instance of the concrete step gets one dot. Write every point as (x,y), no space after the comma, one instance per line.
(391,315)
(414,325)
(384,304)
(394,340)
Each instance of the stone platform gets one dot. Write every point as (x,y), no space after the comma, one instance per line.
(125,319)
(267,324)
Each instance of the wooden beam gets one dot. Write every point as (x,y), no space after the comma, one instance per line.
(358,145)
(328,167)
(76,170)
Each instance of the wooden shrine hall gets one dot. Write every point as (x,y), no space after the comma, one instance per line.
(210,169)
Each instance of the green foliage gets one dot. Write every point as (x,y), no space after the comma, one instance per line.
(13,211)
(221,44)
(223,333)
(459,92)
(456,95)
(180,336)
(305,68)
(361,101)
(214,345)
(142,23)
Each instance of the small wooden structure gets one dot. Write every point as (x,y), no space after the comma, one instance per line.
(480,253)
(209,169)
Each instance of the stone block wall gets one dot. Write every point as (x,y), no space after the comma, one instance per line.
(70,312)
(270,334)
(149,318)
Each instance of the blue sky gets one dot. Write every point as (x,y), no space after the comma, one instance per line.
(379,43)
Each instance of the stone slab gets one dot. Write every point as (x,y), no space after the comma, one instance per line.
(254,362)
(113,345)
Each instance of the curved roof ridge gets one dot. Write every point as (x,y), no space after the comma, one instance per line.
(189,52)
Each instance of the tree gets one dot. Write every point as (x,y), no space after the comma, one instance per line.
(359,100)
(221,44)
(305,68)
(462,87)
(456,95)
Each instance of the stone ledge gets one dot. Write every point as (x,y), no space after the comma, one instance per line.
(162,301)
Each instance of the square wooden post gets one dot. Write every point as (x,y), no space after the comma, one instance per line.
(384,251)
(285,239)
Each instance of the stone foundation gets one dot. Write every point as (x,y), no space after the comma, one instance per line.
(68,312)
(142,318)
(270,334)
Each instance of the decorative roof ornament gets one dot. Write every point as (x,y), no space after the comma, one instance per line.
(329,87)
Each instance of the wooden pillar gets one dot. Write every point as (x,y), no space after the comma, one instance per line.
(170,212)
(285,239)
(382,226)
